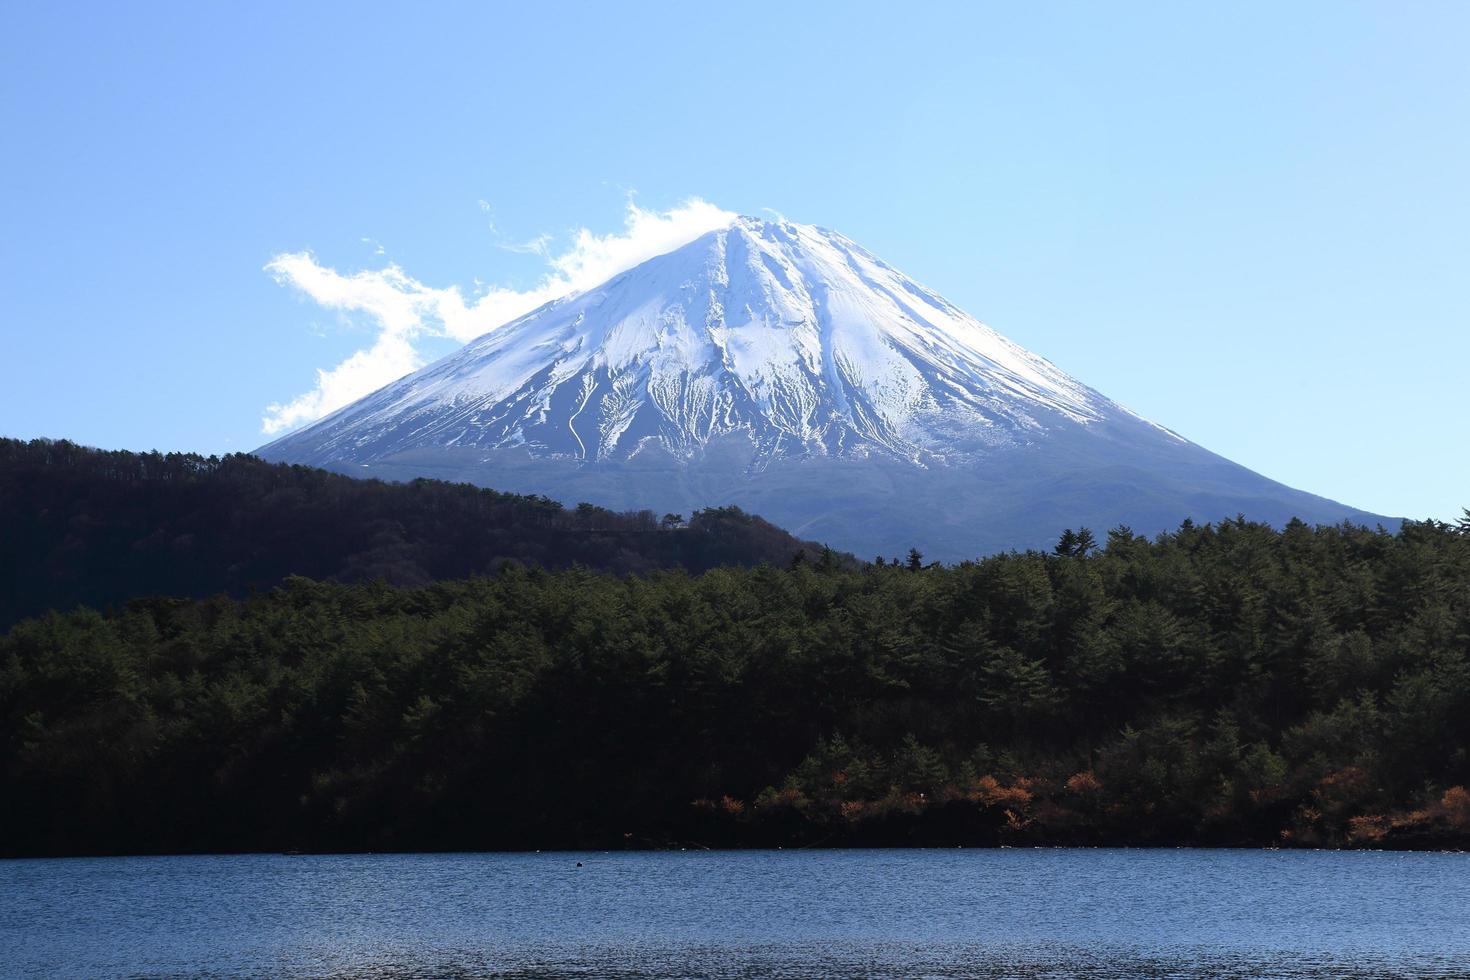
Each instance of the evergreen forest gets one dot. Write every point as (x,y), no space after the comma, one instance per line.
(540,683)
(82,526)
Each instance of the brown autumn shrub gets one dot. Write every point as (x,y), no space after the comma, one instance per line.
(895,802)
(1340,792)
(1412,820)
(988,791)
(1456,804)
(1084,783)
(1016,821)
(1367,828)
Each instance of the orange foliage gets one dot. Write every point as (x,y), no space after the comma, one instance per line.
(1015,821)
(990,792)
(1017,796)
(985,787)
(1308,814)
(1452,811)
(732,806)
(1367,828)
(1033,785)
(1084,783)
(1456,803)
(1412,819)
(1341,787)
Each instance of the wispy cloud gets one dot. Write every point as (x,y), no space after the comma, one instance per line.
(405,311)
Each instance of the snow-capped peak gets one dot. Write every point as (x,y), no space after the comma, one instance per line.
(788,334)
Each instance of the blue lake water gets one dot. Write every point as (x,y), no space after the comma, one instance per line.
(916,913)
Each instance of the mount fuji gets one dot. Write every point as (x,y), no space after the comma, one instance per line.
(783,368)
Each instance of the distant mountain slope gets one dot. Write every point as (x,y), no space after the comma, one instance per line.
(783,368)
(86,526)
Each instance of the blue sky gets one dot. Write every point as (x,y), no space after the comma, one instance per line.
(1249,222)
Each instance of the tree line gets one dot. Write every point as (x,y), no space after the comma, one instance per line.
(1219,684)
(92,527)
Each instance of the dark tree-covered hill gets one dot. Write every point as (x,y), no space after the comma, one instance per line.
(1227,684)
(93,527)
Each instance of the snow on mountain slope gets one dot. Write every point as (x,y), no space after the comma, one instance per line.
(789,333)
(746,365)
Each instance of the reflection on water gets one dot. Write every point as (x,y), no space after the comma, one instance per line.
(961,913)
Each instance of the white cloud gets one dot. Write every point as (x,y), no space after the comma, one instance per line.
(405,310)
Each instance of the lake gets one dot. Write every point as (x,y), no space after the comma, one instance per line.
(901,913)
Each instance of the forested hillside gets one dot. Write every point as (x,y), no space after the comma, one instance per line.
(87,526)
(1226,684)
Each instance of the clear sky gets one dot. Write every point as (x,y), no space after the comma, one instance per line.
(1249,222)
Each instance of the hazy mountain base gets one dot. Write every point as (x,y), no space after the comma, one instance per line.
(990,500)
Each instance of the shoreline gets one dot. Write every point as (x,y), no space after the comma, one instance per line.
(694,848)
